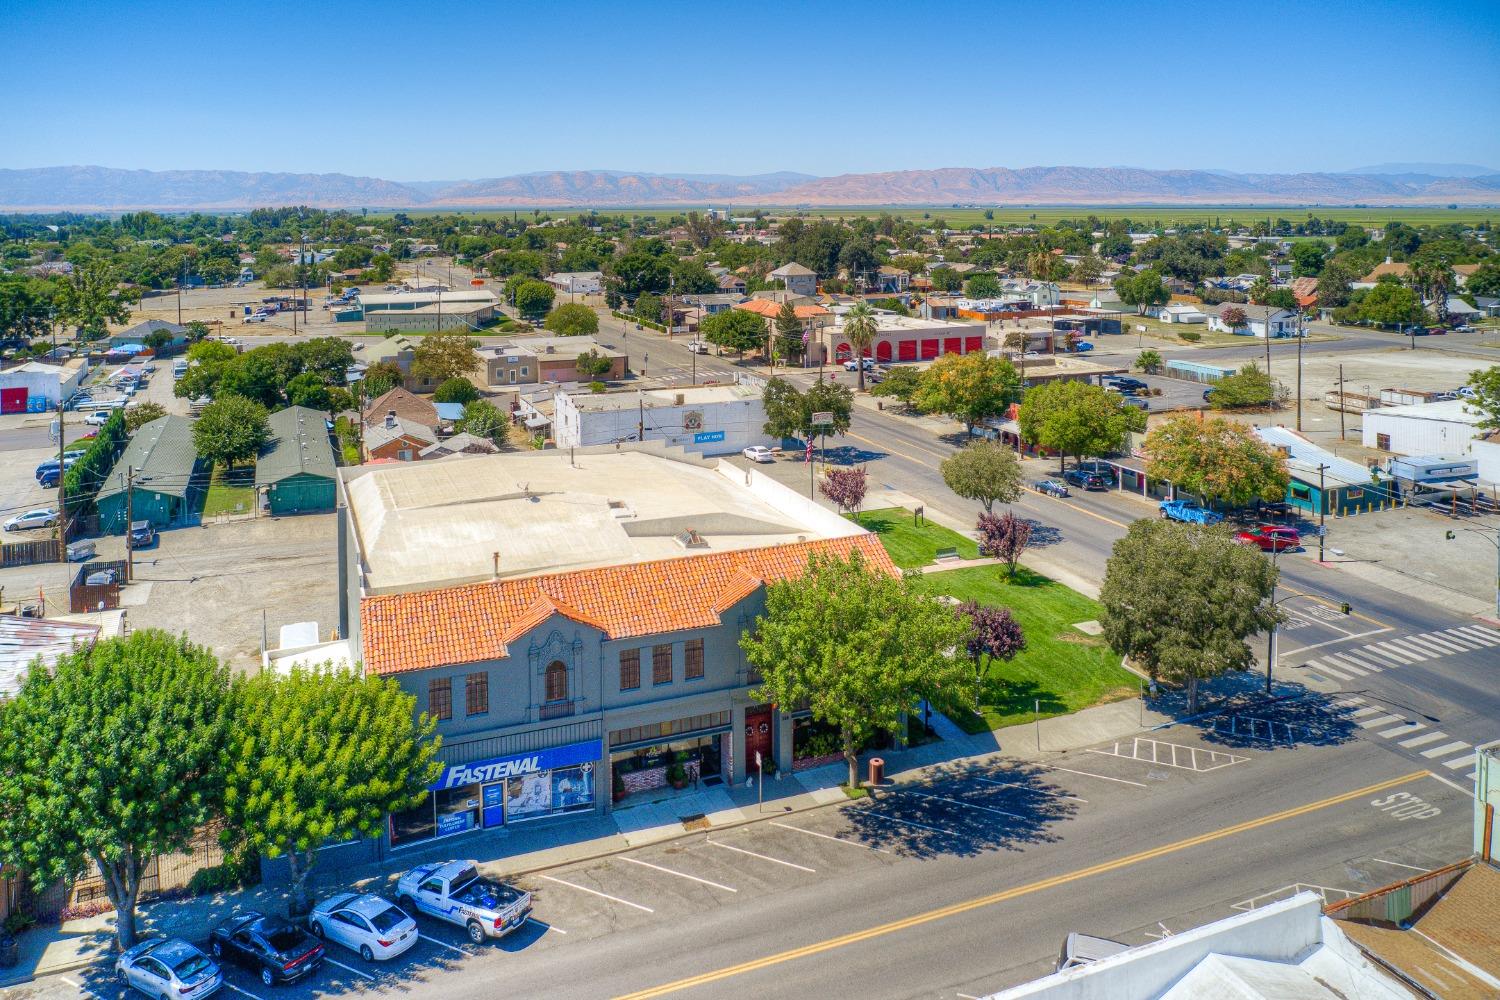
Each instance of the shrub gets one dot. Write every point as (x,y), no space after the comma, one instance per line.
(18,922)
(597,387)
(455,390)
(1191,336)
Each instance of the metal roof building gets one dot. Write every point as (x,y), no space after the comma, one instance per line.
(169,478)
(297,469)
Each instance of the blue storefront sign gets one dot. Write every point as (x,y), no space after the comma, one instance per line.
(516,765)
(708,437)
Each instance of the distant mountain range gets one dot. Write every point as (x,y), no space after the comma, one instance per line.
(110,189)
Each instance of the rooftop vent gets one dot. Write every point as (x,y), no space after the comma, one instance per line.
(690,539)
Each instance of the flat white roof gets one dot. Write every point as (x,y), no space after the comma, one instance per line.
(422,525)
(701,395)
(1447,410)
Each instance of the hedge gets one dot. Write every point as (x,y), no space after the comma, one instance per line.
(82,482)
(632,318)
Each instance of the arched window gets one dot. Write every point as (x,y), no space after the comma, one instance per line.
(557,681)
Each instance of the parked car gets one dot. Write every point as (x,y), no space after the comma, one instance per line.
(1466,392)
(169,968)
(1271,538)
(49,479)
(280,952)
(42,517)
(97,419)
(1085,479)
(1122,382)
(1136,401)
(759,453)
(1051,487)
(142,534)
(376,928)
(697,347)
(1082,346)
(1189,512)
(454,893)
(868,364)
(1208,394)
(257,317)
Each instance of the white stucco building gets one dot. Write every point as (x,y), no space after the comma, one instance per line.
(35,386)
(703,420)
(1445,427)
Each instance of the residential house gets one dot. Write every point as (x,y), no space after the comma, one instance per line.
(534,360)
(458,444)
(168,476)
(1178,312)
(394,438)
(399,351)
(714,303)
(799,280)
(137,334)
(296,470)
(732,284)
(576,282)
(1280,322)
(577,630)
(891,280)
(1395,269)
(405,405)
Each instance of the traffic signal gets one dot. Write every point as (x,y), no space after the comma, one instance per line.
(1345,608)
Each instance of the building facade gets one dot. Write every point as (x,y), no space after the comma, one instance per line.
(704,420)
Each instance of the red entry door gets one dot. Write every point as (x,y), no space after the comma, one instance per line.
(757,736)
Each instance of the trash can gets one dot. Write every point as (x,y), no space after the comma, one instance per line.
(10,951)
(877,770)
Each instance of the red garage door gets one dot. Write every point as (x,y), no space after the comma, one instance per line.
(883,351)
(13,400)
(907,350)
(929,349)
(842,352)
(953,345)
(973,344)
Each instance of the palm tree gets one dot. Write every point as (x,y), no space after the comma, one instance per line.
(860,331)
(1260,292)
(1432,280)
(1041,264)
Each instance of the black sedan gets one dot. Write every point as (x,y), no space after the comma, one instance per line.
(279,951)
(1085,479)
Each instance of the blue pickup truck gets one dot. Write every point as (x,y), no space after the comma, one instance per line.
(1189,513)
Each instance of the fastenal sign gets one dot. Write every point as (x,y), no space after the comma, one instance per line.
(499,768)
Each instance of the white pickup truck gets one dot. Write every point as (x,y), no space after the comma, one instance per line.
(453,892)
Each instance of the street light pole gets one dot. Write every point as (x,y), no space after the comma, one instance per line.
(1322,511)
(1300,335)
(1495,541)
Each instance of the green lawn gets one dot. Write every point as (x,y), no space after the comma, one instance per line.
(1063,668)
(911,546)
(230,491)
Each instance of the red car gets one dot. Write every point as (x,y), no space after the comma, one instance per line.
(1271,538)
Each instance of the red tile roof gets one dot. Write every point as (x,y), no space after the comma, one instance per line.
(476,621)
(765,307)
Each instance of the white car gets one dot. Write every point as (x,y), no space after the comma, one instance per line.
(697,347)
(42,517)
(257,318)
(376,928)
(97,419)
(759,453)
(851,364)
(169,967)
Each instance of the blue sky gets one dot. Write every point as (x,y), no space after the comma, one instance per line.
(441,90)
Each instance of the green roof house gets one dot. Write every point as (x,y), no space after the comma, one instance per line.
(169,478)
(296,469)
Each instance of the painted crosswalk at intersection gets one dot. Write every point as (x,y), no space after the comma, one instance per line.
(1392,654)
(1433,744)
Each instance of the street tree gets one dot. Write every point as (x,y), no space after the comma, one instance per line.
(854,643)
(1088,270)
(1078,419)
(982,286)
(442,356)
(25,308)
(945,279)
(1142,290)
(1233,317)
(1181,600)
(91,298)
(845,488)
(1148,361)
(649,307)
(1247,387)
(984,471)
(1485,281)
(533,298)
(969,388)
(1390,304)
(111,757)
(789,331)
(994,634)
(321,756)
(860,330)
(1485,403)
(1333,285)
(1217,459)
(1004,537)
(902,382)
(572,320)
(789,410)
(329,358)
(380,378)
(736,330)
(231,429)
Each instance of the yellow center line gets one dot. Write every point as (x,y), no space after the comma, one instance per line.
(1008,894)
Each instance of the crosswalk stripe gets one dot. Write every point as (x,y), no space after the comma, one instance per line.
(1487,636)
(1350,700)
(1467,642)
(1364,659)
(1446,749)
(1428,649)
(1451,645)
(1363,711)
(1410,649)
(1342,664)
(1328,669)
(1405,729)
(1353,664)
(1379,720)
(1467,760)
(1416,741)
(1389,651)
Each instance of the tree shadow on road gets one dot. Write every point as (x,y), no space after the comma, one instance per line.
(848,454)
(1298,717)
(962,810)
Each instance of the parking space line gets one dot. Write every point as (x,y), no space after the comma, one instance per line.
(596,892)
(763,857)
(829,836)
(1445,749)
(1399,864)
(961,802)
(906,822)
(548,927)
(1028,788)
(1091,774)
(673,871)
(445,944)
(247,993)
(341,965)
(1416,741)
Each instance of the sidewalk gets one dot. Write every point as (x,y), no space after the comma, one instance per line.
(85,942)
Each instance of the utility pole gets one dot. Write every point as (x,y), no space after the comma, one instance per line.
(181,277)
(129,517)
(1322,512)
(62,486)
(1300,336)
(1342,402)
